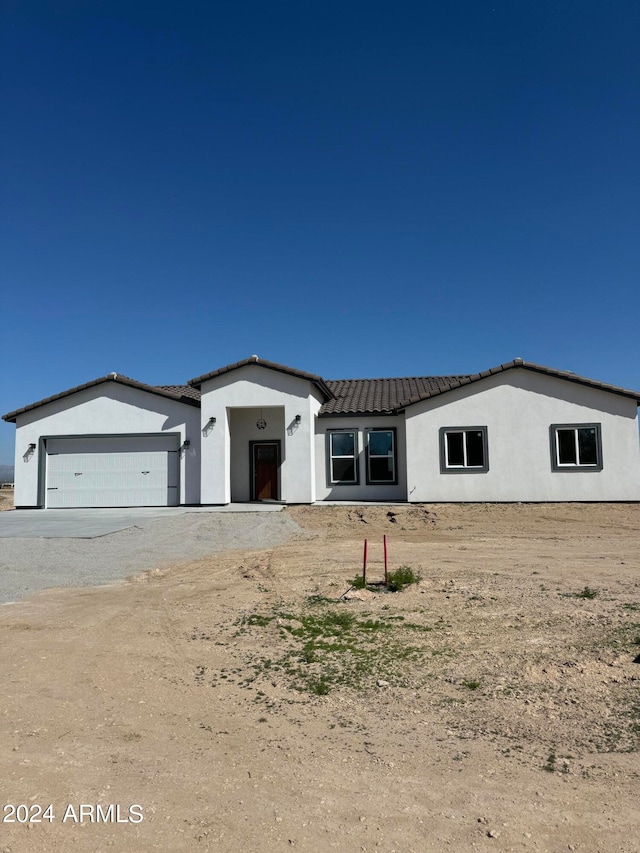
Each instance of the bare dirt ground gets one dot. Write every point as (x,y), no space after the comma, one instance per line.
(6,499)
(245,706)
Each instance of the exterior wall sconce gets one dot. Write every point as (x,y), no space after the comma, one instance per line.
(211,422)
(31,448)
(186,443)
(298,418)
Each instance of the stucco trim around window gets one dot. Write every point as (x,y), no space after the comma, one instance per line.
(576,447)
(464,450)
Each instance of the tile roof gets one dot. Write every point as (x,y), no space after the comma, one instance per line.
(345,396)
(351,396)
(110,377)
(272,365)
(182,391)
(526,365)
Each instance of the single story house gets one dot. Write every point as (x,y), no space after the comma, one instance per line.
(260,431)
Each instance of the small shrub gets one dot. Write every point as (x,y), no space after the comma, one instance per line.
(587,592)
(404,576)
(319,687)
(471,685)
(358,582)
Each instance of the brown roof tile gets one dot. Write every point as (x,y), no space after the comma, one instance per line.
(351,396)
(111,377)
(182,391)
(526,365)
(272,365)
(345,396)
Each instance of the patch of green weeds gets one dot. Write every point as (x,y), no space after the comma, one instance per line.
(586,592)
(256,619)
(551,765)
(331,647)
(471,685)
(404,576)
(315,600)
(319,686)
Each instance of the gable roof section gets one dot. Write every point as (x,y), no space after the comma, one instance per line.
(318,381)
(382,396)
(526,365)
(10,417)
(343,396)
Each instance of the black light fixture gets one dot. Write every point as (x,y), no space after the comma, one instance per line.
(31,448)
(261,423)
(186,443)
(298,418)
(211,422)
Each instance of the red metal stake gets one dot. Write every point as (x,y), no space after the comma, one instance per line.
(386,560)
(364,564)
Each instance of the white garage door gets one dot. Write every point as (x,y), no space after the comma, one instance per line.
(112,471)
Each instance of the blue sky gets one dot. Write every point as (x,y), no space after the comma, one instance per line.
(353,189)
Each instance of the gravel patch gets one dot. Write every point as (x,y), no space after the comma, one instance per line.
(30,565)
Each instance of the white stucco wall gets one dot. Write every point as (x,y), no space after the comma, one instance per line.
(254,387)
(518,408)
(105,409)
(361,492)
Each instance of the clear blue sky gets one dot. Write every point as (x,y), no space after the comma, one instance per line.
(350,188)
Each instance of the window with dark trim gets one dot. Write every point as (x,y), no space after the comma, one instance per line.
(464,450)
(576,447)
(343,457)
(381,456)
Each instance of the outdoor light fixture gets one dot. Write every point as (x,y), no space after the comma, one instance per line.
(298,419)
(261,423)
(31,448)
(211,422)
(186,443)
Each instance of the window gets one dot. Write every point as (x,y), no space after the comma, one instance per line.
(576,447)
(463,449)
(343,457)
(381,456)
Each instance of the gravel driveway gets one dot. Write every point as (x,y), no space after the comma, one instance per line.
(29,565)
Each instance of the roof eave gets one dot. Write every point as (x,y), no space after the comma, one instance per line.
(11,417)
(525,365)
(318,381)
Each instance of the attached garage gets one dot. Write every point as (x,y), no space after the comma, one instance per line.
(112,471)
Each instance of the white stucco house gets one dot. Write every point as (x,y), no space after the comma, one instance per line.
(256,430)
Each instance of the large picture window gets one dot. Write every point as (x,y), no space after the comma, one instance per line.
(576,447)
(343,457)
(381,456)
(464,449)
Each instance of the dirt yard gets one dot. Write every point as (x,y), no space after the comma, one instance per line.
(6,499)
(244,705)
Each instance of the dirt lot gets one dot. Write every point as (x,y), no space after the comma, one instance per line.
(245,706)
(6,499)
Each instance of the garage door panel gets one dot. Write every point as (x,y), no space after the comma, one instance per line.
(112,471)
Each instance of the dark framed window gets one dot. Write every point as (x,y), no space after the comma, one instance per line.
(464,450)
(576,447)
(343,457)
(381,457)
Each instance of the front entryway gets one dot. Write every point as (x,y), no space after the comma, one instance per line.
(265,465)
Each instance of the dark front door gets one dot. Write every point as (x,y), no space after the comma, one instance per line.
(265,471)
